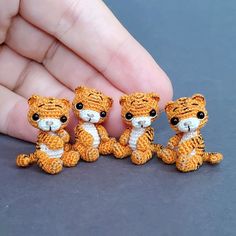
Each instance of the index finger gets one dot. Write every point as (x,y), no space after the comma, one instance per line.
(90,29)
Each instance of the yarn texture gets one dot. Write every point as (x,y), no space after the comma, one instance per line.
(50,116)
(91,107)
(186,148)
(138,111)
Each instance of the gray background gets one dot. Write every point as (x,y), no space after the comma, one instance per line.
(194,41)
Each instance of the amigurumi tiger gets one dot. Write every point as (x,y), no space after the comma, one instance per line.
(187,149)
(138,111)
(91,107)
(50,116)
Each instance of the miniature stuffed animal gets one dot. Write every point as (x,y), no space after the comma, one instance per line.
(187,149)
(50,116)
(91,107)
(138,111)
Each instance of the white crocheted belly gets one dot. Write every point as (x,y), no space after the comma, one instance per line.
(51,153)
(134,136)
(188,136)
(91,129)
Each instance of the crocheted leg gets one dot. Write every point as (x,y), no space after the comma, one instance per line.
(70,158)
(91,154)
(121,151)
(213,157)
(77,147)
(24,160)
(106,148)
(49,165)
(167,155)
(189,163)
(139,157)
(88,154)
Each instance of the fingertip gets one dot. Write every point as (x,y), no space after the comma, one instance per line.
(165,90)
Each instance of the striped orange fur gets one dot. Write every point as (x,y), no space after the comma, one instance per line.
(187,148)
(50,116)
(138,111)
(91,107)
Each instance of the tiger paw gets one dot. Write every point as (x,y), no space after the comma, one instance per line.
(186,164)
(51,165)
(140,158)
(106,147)
(119,150)
(215,158)
(70,158)
(91,155)
(167,155)
(23,160)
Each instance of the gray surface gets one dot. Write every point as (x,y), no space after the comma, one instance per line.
(194,41)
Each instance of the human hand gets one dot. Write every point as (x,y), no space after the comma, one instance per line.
(50,47)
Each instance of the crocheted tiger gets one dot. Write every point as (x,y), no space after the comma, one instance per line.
(138,111)
(50,116)
(187,149)
(91,107)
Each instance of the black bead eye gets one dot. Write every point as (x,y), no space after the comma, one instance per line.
(63,119)
(103,114)
(152,113)
(128,116)
(174,121)
(200,115)
(79,106)
(35,116)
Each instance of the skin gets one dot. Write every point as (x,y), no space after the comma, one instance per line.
(52,47)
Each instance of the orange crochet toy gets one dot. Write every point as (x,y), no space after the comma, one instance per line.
(50,116)
(139,110)
(91,107)
(187,149)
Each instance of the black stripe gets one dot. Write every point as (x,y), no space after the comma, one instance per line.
(150,139)
(148,131)
(58,106)
(182,113)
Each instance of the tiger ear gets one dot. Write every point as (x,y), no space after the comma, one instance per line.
(123,99)
(33,99)
(154,96)
(169,106)
(66,103)
(200,98)
(79,89)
